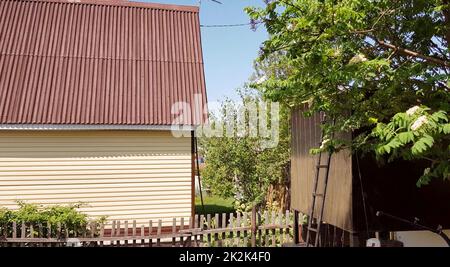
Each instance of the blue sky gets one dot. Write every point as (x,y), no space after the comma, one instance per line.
(228,52)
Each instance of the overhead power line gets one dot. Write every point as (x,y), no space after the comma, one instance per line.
(225,25)
(254,24)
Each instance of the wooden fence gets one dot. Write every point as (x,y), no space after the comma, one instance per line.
(255,229)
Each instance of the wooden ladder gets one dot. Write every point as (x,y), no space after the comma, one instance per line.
(315,194)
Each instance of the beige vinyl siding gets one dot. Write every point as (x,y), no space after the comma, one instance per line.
(125,175)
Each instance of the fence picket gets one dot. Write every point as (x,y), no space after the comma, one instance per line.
(49,233)
(23,232)
(102,233)
(118,229)
(224,225)
(286,227)
(280,218)
(31,231)
(208,227)
(150,232)
(181,229)
(260,231)
(196,226)
(238,233)
(233,229)
(245,231)
(158,233)
(14,230)
(58,230)
(266,226)
(273,229)
(216,226)
(174,230)
(202,227)
(230,227)
(14,233)
(113,231)
(142,235)
(40,230)
(134,233)
(125,234)
(253,225)
(191,226)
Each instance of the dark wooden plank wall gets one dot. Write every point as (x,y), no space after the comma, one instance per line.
(391,187)
(387,187)
(338,203)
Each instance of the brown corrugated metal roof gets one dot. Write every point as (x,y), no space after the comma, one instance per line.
(98,62)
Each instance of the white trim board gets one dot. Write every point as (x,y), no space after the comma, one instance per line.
(90,127)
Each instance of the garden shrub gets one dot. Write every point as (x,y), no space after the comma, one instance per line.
(68,217)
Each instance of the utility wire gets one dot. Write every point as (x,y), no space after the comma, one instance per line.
(225,25)
(232,25)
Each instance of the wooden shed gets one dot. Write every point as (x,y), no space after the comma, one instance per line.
(359,186)
(87,96)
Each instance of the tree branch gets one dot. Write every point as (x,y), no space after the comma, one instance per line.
(410,53)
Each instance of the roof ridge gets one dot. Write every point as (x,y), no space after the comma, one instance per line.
(125,3)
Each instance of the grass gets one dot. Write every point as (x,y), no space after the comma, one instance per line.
(213,204)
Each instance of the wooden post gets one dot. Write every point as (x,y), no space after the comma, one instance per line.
(254,227)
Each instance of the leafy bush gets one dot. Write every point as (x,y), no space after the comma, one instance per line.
(67,217)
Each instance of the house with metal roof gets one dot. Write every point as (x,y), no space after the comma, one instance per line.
(90,92)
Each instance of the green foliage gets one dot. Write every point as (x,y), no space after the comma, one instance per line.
(238,166)
(361,62)
(67,216)
(417,134)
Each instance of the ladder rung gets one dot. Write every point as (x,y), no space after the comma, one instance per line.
(317,195)
(312,229)
(322,166)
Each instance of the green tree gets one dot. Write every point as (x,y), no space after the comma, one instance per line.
(363,62)
(239,165)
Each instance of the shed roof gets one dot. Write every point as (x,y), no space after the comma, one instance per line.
(98,62)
